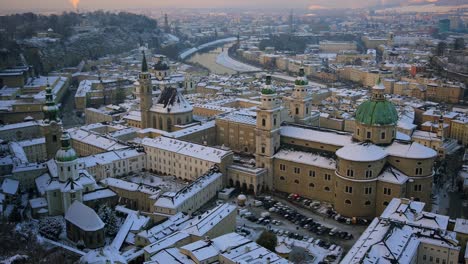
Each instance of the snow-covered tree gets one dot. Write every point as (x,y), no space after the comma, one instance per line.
(109,218)
(50,227)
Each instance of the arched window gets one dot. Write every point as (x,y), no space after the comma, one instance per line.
(297,111)
(347,201)
(368,173)
(311,185)
(382,135)
(282,178)
(263,122)
(350,173)
(160,123)
(367,203)
(385,203)
(296,181)
(327,189)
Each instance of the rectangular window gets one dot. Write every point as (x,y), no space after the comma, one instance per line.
(348,189)
(312,173)
(368,174)
(350,173)
(368,190)
(417,187)
(297,170)
(327,177)
(368,134)
(387,191)
(282,167)
(418,171)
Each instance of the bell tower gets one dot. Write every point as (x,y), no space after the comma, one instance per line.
(267,130)
(145,93)
(52,125)
(301,101)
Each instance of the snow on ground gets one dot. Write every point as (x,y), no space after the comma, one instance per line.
(228,62)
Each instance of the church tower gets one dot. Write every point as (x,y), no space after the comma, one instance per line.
(52,125)
(301,101)
(68,178)
(440,128)
(146,94)
(267,130)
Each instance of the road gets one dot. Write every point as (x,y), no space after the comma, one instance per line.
(69,117)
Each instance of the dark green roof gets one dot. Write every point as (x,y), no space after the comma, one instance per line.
(377,113)
(268,91)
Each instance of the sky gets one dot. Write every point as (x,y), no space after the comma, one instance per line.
(32,5)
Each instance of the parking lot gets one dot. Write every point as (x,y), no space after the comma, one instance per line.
(292,221)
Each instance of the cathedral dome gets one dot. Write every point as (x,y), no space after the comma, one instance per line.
(66,152)
(377,111)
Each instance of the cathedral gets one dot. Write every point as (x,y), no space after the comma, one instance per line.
(170,111)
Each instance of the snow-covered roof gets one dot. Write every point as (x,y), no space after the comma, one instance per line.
(166,242)
(83,217)
(361,152)
(186,148)
(461,226)
(175,199)
(170,256)
(312,135)
(205,222)
(10,186)
(39,202)
(171,101)
(395,236)
(411,150)
(306,158)
(98,194)
(103,256)
(392,175)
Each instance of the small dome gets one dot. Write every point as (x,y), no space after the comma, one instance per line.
(64,155)
(241,197)
(66,152)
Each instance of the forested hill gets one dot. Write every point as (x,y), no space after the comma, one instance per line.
(55,41)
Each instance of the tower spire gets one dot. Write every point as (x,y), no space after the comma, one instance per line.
(144,64)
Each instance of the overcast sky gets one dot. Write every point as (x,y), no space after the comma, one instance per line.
(110,4)
(119,4)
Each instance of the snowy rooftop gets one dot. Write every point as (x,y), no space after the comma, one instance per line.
(392,175)
(306,158)
(10,186)
(83,217)
(412,151)
(166,242)
(205,222)
(98,194)
(170,256)
(325,137)
(461,226)
(171,225)
(234,247)
(175,199)
(130,186)
(186,148)
(239,118)
(361,152)
(396,235)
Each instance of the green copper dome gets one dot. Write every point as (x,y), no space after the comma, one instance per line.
(66,152)
(377,113)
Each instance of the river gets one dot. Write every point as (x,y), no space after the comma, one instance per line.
(208,60)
